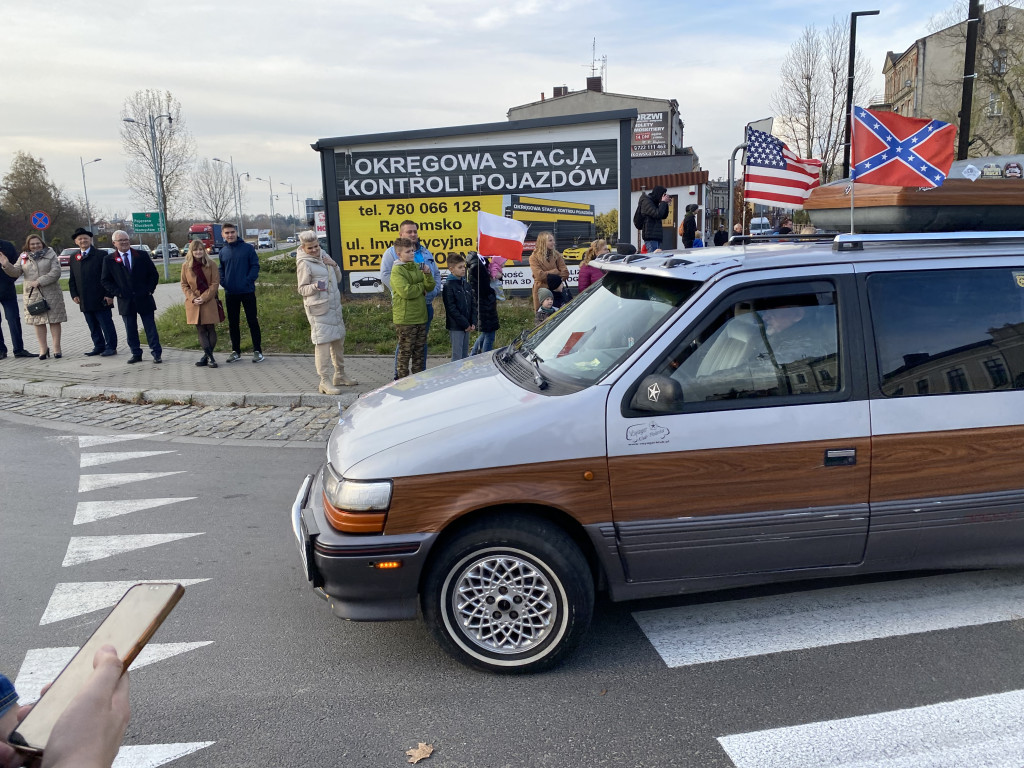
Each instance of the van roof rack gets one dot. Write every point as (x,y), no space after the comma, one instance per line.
(854,242)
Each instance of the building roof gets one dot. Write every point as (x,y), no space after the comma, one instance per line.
(669,180)
(468,130)
(585,91)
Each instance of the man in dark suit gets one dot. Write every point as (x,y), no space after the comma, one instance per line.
(9,302)
(131,276)
(87,292)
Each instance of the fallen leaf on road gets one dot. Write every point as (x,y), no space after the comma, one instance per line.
(421,751)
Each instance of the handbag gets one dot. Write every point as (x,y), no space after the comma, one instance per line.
(40,307)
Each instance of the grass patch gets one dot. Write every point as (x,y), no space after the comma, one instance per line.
(368,326)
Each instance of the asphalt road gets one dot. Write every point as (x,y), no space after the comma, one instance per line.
(255,671)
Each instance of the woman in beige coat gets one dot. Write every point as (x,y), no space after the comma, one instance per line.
(544,261)
(40,267)
(318,275)
(199,282)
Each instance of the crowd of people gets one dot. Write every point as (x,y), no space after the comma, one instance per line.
(127,278)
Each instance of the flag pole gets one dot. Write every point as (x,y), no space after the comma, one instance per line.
(853,183)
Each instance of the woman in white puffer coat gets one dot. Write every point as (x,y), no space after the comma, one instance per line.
(318,275)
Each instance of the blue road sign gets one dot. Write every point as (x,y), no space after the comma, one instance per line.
(40,220)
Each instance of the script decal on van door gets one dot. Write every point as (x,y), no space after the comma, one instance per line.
(651,433)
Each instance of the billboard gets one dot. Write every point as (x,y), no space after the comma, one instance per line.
(554,174)
(651,135)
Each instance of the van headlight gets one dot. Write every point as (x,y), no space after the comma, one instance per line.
(355,506)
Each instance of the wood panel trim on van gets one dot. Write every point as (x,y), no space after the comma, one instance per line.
(427,503)
(948,463)
(724,481)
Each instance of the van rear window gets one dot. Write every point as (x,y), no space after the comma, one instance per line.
(948,331)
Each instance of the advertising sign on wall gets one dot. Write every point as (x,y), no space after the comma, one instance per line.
(651,134)
(554,175)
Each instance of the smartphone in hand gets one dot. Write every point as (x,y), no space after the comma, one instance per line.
(321,285)
(128,627)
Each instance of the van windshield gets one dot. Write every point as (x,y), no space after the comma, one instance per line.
(595,332)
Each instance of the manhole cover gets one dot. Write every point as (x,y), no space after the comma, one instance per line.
(90,365)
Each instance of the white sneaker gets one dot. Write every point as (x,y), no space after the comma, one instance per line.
(257,357)
(233,357)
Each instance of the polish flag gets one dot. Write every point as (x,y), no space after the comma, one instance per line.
(500,236)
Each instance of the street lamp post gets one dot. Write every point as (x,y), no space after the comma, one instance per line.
(236,191)
(849,86)
(88,213)
(291,194)
(159,189)
(270,183)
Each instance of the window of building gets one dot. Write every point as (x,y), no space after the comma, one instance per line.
(957,380)
(940,332)
(1000,26)
(994,108)
(999,63)
(997,373)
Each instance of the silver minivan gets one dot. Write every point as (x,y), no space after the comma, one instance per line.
(696,420)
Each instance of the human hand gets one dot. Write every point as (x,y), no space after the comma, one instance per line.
(76,300)
(425,268)
(197,300)
(330,262)
(109,300)
(89,732)
(471,328)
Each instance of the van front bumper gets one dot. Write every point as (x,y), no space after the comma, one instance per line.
(344,568)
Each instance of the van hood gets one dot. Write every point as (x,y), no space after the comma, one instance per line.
(459,416)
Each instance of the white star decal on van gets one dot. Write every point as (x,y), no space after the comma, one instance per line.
(653,393)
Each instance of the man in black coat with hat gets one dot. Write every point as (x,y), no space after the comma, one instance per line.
(654,208)
(131,276)
(9,301)
(86,288)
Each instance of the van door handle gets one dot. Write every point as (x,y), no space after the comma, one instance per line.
(841,457)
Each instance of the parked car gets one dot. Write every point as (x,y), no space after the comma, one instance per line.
(290,239)
(755,414)
(263,242)
(172,249)
(66,255)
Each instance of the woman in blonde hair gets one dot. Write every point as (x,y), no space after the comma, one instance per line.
(545,261)
(318,275)
(199,282)
(588,274)
(40,268)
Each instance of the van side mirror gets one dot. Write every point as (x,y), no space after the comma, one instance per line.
(659,394)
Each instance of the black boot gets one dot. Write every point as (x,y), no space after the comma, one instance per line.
(209,356)
(202,361)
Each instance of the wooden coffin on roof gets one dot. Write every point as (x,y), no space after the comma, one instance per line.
(959,205)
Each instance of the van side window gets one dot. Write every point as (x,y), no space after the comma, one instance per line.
(948,331)
(761,347)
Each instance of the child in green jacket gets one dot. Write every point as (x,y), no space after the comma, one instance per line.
(410,283)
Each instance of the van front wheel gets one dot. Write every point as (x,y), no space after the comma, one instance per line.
(514,596)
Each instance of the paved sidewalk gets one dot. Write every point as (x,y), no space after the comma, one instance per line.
(274,402)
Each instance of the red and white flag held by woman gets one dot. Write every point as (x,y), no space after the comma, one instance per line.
(500,236)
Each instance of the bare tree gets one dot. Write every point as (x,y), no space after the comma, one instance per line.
(810,102)
(211,190)
(175,149)
(997,113)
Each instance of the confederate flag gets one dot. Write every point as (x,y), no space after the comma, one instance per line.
(900,151)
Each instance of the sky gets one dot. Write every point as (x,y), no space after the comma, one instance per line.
(261,80)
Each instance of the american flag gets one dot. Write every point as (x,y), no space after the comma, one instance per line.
(774,175)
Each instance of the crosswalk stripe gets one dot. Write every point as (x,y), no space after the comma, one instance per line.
(91,441)
(153,755)
(96,459)
(84,549)
(736,629)
(982,732)
(91,511)
(42,665)
(76,598)
(88,483)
